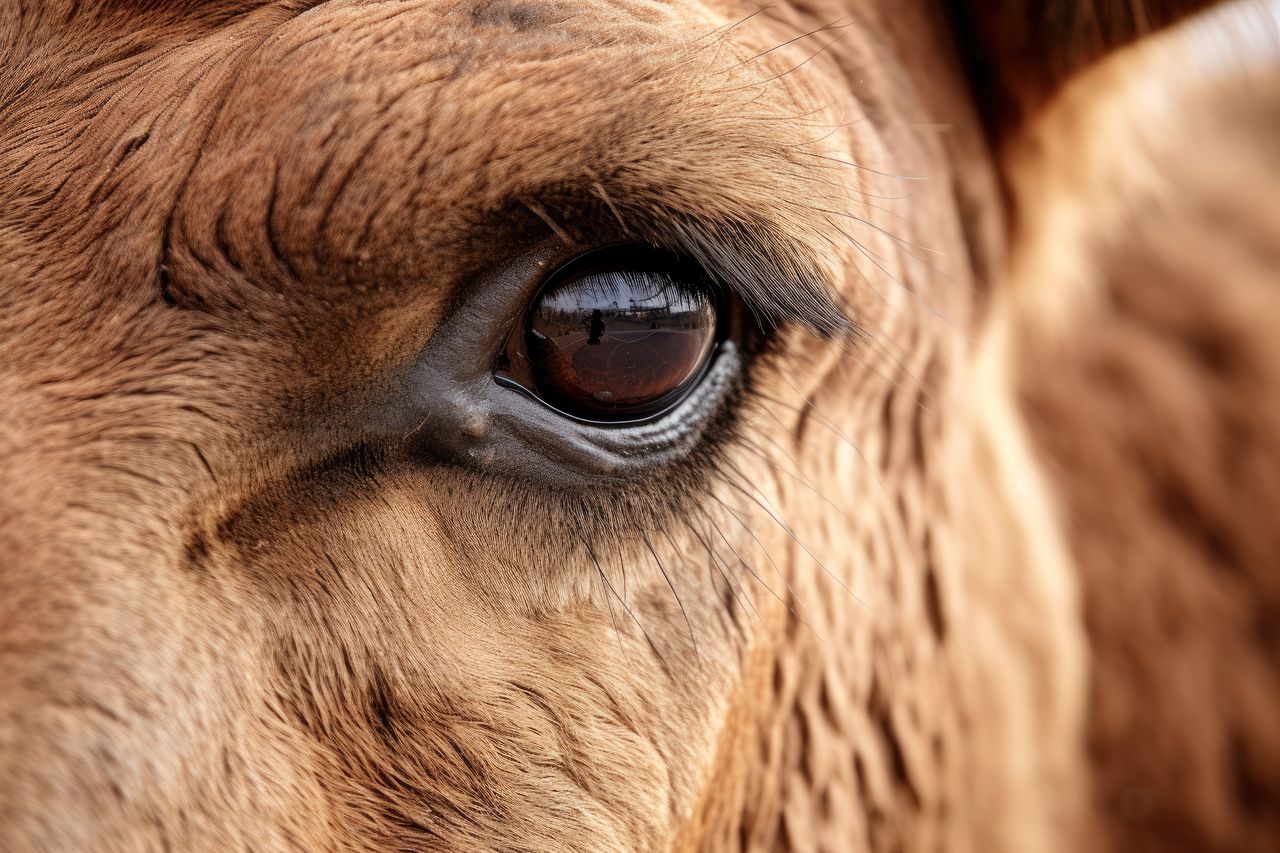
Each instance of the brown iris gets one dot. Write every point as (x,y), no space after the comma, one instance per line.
(613,340)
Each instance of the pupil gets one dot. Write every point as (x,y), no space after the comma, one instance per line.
(618,344)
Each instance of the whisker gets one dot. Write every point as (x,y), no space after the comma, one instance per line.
(859,337)
(408,435)
(915,297)
(782,577)
(662,660)
(846,188)
(725,29)
(604,196)
(863,168)
(627,608)
(749,569)
(617,632)
(734,589)
(781,522)
(792,69)
(795,118)
(823,420)
(723,39)
(799,479)
(830,133)
(867,339)
(834,25)
(752,572)
(894,237)
(902,243)
(671,583)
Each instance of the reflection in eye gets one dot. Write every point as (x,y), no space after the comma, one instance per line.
(617,344)
(619,335)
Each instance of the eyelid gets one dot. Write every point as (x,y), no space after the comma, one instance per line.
(777,278)
(448,408)
(778,275)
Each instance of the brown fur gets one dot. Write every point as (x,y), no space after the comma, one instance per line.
(236,612)
(1160,381)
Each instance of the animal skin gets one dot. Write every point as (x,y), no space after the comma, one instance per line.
(978,556)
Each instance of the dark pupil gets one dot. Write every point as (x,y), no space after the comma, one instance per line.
(620,344)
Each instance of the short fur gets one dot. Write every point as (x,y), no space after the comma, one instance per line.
(954,576)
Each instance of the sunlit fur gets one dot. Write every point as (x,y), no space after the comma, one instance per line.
(232,615)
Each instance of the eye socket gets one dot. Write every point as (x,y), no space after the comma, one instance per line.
(618,335)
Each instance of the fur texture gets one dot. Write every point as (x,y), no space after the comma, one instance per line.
(869,612)
(1152,388)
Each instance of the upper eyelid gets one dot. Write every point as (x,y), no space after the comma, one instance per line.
(776,275)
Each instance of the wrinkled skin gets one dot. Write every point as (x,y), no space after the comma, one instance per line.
(247,601)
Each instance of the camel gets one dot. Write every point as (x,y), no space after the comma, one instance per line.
(538,426)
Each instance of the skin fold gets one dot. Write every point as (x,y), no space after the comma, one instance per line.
(975,557)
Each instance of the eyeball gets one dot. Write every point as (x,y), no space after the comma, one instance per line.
(619,335)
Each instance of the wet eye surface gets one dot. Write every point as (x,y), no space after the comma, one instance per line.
(595,369)
(619,335)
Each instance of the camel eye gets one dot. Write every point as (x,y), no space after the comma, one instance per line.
(619,335)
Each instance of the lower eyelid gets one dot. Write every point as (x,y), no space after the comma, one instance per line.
(503,431)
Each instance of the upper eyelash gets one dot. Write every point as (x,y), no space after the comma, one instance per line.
(776,275)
